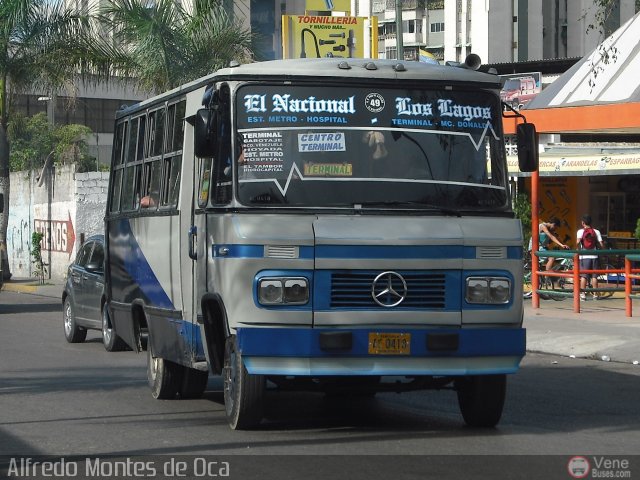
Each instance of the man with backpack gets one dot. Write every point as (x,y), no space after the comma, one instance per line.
(588,238)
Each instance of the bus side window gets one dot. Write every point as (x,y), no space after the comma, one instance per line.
(172,162)
(118,158)
(171,189)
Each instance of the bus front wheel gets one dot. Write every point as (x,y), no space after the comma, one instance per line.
(243,393)
(481,399)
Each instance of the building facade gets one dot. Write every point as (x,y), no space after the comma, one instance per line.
(498,31)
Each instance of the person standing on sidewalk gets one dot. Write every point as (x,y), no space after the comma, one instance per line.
(588,238)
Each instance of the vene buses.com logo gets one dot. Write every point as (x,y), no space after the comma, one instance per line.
(578,467)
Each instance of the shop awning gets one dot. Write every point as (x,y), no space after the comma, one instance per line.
(597,94)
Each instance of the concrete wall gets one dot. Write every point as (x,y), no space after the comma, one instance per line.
(63,205)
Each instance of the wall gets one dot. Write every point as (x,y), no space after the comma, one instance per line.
(64,206)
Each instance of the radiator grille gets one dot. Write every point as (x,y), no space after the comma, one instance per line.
(353,290)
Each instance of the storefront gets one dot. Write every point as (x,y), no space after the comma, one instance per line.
(605,186)
(597,99)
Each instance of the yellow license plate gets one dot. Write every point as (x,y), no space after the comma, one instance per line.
(389,343)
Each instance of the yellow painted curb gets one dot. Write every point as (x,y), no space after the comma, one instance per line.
(20,288)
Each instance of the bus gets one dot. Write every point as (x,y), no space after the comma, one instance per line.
(335,225)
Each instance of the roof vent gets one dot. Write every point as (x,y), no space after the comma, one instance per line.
(234,63)
(370,66)
(398,67)
(344,66)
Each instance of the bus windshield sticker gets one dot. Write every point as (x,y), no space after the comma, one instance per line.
(262,151)
(321,142)
(328,169)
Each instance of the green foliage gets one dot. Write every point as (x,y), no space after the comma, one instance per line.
(637,232)
(522,209)
(162,45)
(36,254)
(33,139)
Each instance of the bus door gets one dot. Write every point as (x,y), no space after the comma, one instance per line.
(213,191)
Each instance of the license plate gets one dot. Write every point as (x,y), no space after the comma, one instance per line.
(389,343)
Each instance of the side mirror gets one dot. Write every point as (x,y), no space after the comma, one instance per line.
(205,129)
(527,140)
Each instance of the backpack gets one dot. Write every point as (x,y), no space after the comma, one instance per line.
(589,239)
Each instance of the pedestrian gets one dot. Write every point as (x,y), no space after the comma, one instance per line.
(546,231)
(588,238)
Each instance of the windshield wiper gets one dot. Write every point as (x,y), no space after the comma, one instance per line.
(420,205)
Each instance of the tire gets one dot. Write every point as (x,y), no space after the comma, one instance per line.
(547,284)
(111,341)
(194,383)
(164,377)
(481,399)
(72,332)
(243,393)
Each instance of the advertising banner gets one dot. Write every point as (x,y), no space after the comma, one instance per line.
(520,88)
(581,165)
(316,36)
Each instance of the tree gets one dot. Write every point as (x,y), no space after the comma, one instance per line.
(40,47)
(33,139)
(162,45)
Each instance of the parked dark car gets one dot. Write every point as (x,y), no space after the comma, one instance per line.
(83,298)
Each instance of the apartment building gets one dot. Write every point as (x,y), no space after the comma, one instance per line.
(499,31)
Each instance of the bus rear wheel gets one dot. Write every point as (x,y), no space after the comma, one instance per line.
(164,377)
(194,383)
(481,399)
(243,393)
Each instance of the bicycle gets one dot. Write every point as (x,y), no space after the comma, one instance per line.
(608,283)
(555,285)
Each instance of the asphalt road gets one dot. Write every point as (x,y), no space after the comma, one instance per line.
(77,400)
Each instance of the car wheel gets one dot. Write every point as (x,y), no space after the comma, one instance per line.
(194,383)
(243,393)
(111,341)
(481,399)
(164,377)
(72,332)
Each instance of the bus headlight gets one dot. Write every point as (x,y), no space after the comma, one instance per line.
(488,290)
(288,291)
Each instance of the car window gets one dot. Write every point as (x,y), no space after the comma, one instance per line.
(83,255)
(97,256)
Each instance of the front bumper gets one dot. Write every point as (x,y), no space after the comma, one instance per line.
(433,352)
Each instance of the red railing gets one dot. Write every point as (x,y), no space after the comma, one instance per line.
(628,272)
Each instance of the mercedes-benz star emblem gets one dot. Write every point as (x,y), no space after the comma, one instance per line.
(389,289)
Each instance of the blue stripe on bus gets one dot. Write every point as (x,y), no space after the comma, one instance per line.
(394,252)
(141,273)
(253,251)
(364,251)
(305,342)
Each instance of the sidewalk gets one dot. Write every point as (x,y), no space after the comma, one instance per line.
(600,330)
(51,288)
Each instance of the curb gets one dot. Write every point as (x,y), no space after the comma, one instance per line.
(12,287)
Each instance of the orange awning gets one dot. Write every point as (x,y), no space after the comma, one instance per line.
(611,118)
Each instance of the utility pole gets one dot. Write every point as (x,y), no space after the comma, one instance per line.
(399,44)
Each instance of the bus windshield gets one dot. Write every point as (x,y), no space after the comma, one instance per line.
(330,146)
